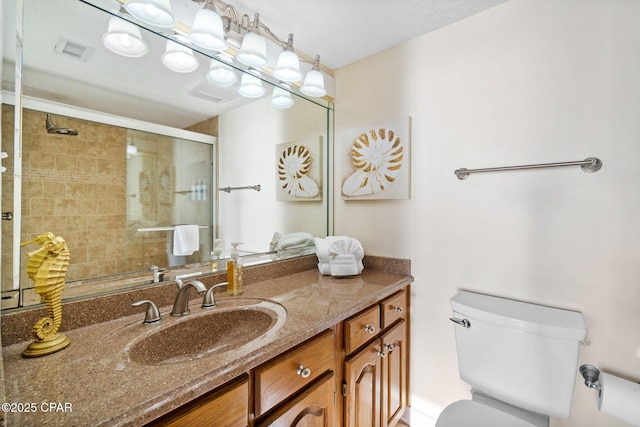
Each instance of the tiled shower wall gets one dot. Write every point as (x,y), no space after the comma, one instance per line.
(73,186)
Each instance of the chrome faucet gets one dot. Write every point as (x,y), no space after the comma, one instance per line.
(158,273)
(181,305)
(209,300)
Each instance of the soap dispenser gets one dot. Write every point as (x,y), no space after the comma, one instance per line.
(234,272)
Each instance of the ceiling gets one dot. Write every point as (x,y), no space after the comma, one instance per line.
(340,31)
(345,31)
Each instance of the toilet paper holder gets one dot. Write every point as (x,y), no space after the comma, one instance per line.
(591,374)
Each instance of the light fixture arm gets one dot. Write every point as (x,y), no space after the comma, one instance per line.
(273,37)
(243,22)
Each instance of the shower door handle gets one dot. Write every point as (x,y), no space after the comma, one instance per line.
(462,322)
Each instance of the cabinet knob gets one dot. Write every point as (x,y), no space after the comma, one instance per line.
(389,347)
(369,328)
(303,372)
(397,309)
(381,353)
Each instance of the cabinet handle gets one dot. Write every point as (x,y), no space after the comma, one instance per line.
(369,328)
(389,347)
(381,353)
(303,372)
(397,309)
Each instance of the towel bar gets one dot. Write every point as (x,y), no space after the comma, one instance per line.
(590,164)
(167,228)
(249,187)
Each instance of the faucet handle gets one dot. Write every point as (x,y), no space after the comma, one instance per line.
(152,315)
(209,300)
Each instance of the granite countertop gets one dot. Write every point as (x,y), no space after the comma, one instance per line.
(94,382)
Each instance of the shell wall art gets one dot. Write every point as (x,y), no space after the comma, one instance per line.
(376,161)
(299,170)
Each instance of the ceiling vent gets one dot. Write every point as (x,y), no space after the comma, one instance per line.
(211,93)
(72,49)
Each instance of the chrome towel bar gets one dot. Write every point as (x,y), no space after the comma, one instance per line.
(590,164)
(250,187)
(167,228)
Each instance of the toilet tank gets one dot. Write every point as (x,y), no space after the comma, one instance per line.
(520,353)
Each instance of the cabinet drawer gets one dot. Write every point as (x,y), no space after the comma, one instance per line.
(226,406)
(312,407)
(278,379)
(394,308)
(362,327)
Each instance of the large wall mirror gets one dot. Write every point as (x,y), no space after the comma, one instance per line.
(112,152)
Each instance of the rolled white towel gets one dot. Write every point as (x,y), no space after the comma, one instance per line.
(324,268)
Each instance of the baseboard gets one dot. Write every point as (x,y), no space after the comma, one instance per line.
(414,418)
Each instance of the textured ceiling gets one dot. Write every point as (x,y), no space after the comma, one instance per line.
(345,31)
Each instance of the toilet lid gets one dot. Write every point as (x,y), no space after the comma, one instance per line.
(469,413)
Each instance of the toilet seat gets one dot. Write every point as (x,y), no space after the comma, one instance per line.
(469,413)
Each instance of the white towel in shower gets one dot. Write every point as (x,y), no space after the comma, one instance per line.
(186,239)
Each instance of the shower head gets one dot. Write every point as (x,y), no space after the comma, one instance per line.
(52,128)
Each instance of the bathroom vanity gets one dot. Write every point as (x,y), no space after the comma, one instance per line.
(340,357)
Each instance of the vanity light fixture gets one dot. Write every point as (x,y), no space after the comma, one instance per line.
(207,31)
(218,27)
(220,73)
(281,97)
(152,12)
(254,47)
(251,85)
(314,81)
(288,67)
(178,57)
(124,38)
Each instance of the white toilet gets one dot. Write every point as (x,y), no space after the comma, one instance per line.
(520,359)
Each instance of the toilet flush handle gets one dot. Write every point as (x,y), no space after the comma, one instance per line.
(462,322)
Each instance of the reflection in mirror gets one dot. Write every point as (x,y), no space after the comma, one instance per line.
(145,178)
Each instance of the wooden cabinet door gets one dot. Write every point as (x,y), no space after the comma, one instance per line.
(394,381)
(313,407)
(363,377)
(227,406)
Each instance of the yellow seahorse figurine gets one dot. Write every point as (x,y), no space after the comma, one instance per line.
(47,267)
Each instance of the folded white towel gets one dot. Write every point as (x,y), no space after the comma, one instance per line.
(322,247)
(293,240)
(346,257)
(186,239)
(339,256)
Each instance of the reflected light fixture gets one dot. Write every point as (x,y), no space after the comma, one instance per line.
(207,31)
(220,72)
(251,85)
(253,51)
(314,81)
(179,58)
(152,12)
(288,67)
(124,38)
(281,97)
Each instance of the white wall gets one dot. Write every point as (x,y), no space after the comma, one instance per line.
(530,81)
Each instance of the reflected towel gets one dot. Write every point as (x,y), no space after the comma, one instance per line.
(186,239)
